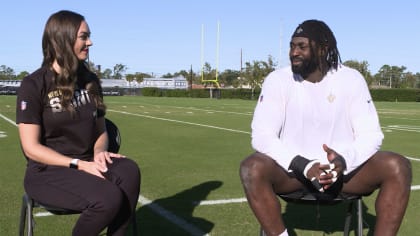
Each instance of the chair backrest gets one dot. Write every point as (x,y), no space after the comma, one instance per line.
(114,136)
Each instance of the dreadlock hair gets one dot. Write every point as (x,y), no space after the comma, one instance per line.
(59,37)
(324,43)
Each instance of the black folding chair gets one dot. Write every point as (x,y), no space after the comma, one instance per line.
(354,204)
(28,204)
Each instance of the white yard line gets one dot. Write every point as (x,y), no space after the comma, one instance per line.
(221,201)
(415,187)
(399,118)
(8,120)
(413,159)
(182,122)
(171,217)
(216,111)
(402,128)
(43,213)
(250,113)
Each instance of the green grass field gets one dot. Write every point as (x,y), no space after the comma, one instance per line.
(189,152)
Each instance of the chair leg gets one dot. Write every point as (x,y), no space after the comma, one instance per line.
(22,216)
(29,214)
(26,217)
(347,221)
(359,217)
(134,223)
(262,233)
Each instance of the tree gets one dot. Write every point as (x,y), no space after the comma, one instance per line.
(140,76)
(22,75)
(95,68)
(391,76)
(252,75)
(7,73)
(362,67)
(182,73)
(230,78)
(107,74)
(256,72)
(119,69)
(167,75)
(417,80)
(207,72)
(410,80)
(130,78)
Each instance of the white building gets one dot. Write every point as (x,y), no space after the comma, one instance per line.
(165,83)
(10,83)
(112,83)
(162,83)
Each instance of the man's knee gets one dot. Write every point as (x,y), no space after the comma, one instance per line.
(398,166)
(254,168)
(403,167)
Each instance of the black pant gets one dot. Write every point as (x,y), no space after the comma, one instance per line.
(103,203)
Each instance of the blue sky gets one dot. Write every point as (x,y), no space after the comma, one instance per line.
(159,36)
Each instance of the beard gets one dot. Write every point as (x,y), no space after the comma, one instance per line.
(305,68)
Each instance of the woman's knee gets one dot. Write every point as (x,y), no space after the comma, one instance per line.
(132,167)
(126,168)
(109,200)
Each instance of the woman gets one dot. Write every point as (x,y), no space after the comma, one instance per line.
(60,115)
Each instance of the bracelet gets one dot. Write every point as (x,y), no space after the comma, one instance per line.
(74,164)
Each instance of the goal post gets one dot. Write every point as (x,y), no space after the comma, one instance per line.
(214,81)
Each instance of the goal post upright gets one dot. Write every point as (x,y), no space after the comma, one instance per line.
(216,80)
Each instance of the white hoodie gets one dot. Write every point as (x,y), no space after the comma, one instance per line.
(295,117)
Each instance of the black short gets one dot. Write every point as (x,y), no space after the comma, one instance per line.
(331,192)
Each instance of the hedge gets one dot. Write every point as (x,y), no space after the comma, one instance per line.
(396,95)
(390,95)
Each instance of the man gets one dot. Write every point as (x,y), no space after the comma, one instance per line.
(315,127)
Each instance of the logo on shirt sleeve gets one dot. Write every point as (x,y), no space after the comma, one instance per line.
(23,105)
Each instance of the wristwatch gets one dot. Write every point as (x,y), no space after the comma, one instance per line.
(74,163)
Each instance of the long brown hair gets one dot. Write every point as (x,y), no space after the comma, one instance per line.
(58,40)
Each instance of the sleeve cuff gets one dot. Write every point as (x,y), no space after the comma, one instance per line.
(308,166)
(298,164)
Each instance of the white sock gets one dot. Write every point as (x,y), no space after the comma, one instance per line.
(284,233)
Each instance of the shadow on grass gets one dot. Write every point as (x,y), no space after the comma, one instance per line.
(174,215)
(323,218)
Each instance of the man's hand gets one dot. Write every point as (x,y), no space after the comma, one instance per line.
(331,171)
(313,174)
